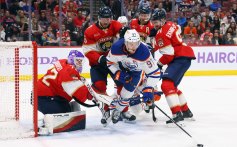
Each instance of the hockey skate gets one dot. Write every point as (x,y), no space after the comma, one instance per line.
(106,119)
(188,115)
(178,118)
(116,116)
(128,117)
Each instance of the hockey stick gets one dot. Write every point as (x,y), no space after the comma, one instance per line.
(153,113)
(198,145)
(85,104)
(100,99)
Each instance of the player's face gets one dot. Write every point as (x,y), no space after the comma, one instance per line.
(144,18)
(132,47)
(105,22)
(157,24)
(78,61)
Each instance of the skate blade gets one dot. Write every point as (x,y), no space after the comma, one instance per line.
(190,119)
(172,125)
(129,122)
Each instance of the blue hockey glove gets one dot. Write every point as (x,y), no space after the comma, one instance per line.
(102,61)
(134,101)
(148,94)
(122,76)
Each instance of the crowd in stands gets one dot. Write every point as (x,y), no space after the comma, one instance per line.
(204,22)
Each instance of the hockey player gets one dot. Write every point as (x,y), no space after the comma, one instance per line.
(98,39)
(56,91)
(177,56)
(142,24)
(128,60)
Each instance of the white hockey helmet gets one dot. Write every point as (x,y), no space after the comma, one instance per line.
(132,40)
(123,20)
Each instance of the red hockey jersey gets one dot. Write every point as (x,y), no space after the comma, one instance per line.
(98,41)
(169,43)
(62,80)
(143,30)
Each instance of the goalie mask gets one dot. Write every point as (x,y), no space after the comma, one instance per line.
(132,40)
(76,58)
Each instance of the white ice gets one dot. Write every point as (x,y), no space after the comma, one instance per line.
(213,100)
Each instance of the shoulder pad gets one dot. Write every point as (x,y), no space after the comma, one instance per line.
(117,47)
(142,53)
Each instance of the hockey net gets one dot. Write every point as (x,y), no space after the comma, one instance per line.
(18,95)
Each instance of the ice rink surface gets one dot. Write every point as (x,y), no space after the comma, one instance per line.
(213,101)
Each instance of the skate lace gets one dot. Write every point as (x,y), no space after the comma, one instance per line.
(106,115)
(116,114)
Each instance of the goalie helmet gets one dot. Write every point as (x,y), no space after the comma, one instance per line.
(76,58)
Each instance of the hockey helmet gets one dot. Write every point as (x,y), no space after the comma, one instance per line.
(123,20)
(158,15)
(76,58)
(132,40)
(105,12)
(145,10)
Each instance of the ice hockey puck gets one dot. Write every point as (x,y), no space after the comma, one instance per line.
(199,145)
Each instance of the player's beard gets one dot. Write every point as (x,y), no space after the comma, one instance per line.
(105,25)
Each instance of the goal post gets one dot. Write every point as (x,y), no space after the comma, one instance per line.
(18,90)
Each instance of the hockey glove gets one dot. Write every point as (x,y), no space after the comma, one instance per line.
(122,76)
(102,61)
(148,94)
(160,65)
(157,95)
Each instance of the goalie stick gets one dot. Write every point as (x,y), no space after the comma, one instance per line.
(100,99)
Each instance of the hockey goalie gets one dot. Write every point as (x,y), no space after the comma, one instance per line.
(60,91)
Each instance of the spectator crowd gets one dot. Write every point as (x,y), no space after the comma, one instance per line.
(203,22)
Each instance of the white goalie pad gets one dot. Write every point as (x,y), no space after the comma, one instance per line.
(63,122)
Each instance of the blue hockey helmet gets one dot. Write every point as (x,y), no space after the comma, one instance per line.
(76,58)
(145,10)
(158,15)
(105,12)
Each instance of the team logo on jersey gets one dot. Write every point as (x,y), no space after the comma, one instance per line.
(160,42)
(105,43)
(131,66)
